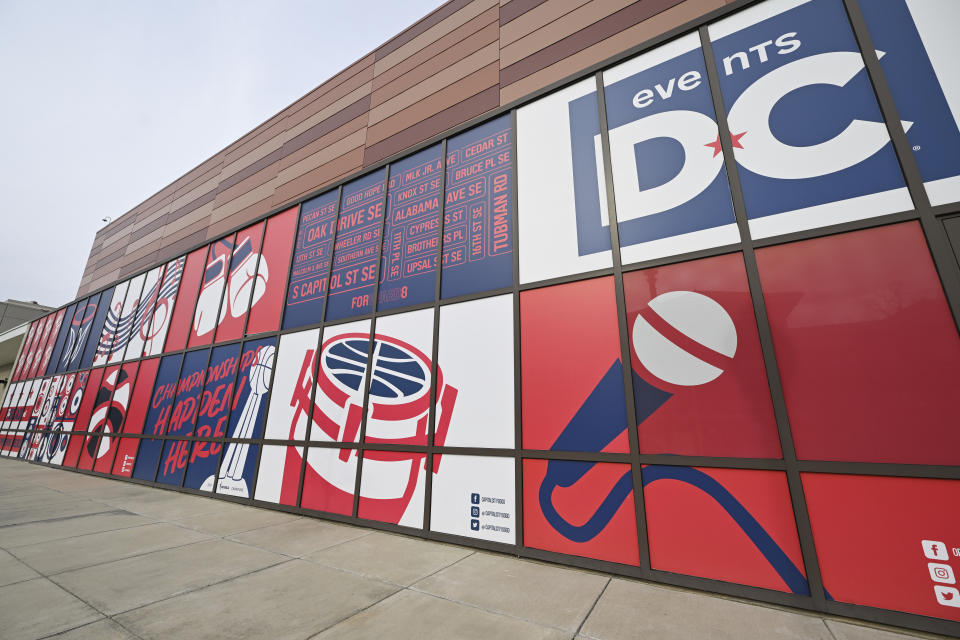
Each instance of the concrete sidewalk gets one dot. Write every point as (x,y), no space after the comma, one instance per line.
(87,557)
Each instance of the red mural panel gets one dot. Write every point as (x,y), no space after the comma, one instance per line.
(244,287)
(318,493)
(113,416)
(580,508)
(866,347)
(734,525)
(23,362)
(272,272)
(892,543)
(36,353)
(83,417)
(700,386)
(573,396)
(182,319)
(47,351)
(136,414)
(215,274)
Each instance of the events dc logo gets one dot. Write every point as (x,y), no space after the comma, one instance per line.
(805,127)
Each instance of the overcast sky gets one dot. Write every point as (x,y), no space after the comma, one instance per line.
(103,103)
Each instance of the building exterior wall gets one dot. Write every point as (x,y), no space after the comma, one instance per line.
(459,62)
(690,317)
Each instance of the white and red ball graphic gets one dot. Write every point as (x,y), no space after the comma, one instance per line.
(678,333)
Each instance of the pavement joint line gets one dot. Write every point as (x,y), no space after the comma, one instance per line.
(75,596)
(592,607)
(82,535)
(79,535)
(412,587)
(370,576)
(473,552)
(22,581)
(330,546)
(206,586)
(829,630)
(97,564)
(195,589)
(87,624)
(474,605)
(223,536)
(355,613)
(42,520)
(253,546)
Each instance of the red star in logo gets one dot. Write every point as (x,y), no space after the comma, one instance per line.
(734,139)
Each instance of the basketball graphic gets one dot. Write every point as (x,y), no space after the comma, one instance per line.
(398,412)
(678,332)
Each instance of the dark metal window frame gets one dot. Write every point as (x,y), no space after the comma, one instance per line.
(930,218)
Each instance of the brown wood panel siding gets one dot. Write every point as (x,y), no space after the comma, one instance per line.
(455,64)
(324,142)
(181,245)
(594,33)
(142,240)
(157,223)
(563,26)
(256,138)
(247,184)
(330,91)
(433,84)
(323,175)
(243,216)
(464,15)
(193,205)
(249,170)
(143,262)
(190,218)
(419,27)
(113,256)
(425,129)
(322,128)
(486,22)
(664,21)
(448,97)
(547,13)
(101,281)
(512,10)
(435,60)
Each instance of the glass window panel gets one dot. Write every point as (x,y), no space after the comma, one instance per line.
(357,247)
(671,187)
(573,398)
(910,523)
(562,200)
(918,52)
(699,383)
(476,358)
(734,525)
(478,214)
(867,349)
(409,262)
(811,146)
(580,508)
(474,496)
